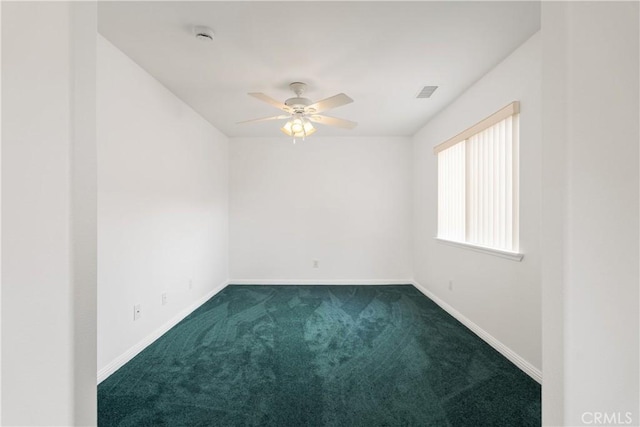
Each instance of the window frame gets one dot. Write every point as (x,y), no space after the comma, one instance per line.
(510,110)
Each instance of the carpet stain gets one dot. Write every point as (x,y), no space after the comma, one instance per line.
(319,356)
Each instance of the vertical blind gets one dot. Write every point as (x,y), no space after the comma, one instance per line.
(478,183)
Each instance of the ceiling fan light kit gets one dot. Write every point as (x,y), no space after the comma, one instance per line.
(302,112)
(298,127)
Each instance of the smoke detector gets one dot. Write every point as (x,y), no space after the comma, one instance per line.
(203,33)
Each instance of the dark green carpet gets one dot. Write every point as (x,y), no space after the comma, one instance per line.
(319,355)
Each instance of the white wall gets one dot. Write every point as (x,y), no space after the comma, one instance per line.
(0,216)
(48,239)
(162,204)
(84,183)
(553,211)
(597,52)
(343,201)
(499,295)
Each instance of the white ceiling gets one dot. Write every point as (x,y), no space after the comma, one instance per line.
(381,54)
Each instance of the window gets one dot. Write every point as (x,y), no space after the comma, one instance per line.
(478,185)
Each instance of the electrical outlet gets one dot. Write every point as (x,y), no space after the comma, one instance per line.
(190,284)
(450,285)
(316,263)
(164,298)
(137,311)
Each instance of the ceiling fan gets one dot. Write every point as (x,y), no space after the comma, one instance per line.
(300,112)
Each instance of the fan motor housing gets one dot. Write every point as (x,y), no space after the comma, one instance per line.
(297,103)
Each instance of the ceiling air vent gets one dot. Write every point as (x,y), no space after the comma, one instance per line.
(427,91)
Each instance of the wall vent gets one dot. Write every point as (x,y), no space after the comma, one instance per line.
(427,91)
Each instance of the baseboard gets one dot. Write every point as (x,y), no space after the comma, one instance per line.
(133,351)
(320,282)
(511,355)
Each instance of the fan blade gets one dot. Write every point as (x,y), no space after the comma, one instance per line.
(270,100)
(332,121)
(329,103)
(264,119)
